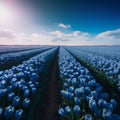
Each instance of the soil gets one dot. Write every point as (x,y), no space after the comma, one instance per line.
(52,94)
(45,104)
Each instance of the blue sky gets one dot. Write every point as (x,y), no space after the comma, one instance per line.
(93,16)
(60,22)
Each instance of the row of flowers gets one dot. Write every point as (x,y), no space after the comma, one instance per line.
(83,97)
(109,66)
(10,49)
(19,84)
(11,59)
(111,52)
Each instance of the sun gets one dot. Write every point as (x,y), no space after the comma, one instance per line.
(6,14)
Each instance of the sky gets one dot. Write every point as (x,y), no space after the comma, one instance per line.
(59,22)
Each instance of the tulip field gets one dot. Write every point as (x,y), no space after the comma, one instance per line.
(60,83)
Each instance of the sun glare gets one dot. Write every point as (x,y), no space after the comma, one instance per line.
(5,14)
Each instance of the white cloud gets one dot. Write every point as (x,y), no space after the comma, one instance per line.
(57,33)
(6,33)
(79,33)
(64,26)
(74,38)
(10,37)
(111,35)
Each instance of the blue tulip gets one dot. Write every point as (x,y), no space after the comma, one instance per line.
(107,114)
(77,110)
(1,112)
(70,96)
(32,85)
(33,90)
(61,112)
(87,90)
(24,87)
(16,101)
(88,117)
(2,93)
(75,82)
(94,94)
(5,91)
(92,104)
(71,89)
(66,94)
(15,85)
(26,103)
(114,103)
(77,101)
(20,87)
(22,81)
(9,88)
(62,93)
(89,97)
(65,85)
(34,77)
(21,74)
(88,77)
(68,81)
(109,106)
(3,84)
(67,110)
(77,92)
(18,114)
(11,95)
(13,81)
(26,93)
(83,81)
(36,84)
(92,83)
(9,111)
(82,90)
(101,103)
(66,75)
(97,113)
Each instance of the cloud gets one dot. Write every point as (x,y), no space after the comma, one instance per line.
(59,39)
(110,35)
(6,33)
(60,36)
(64,26)
(10,37)
(79,33)
(57,33)
(74,38)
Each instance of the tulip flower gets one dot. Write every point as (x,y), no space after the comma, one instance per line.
(1,112)
(11,95)
(61,112)
(77,110)
(9,111)
(26,103)
(18,114)
(26,93)
(16,101)
(67,110)
(107,114)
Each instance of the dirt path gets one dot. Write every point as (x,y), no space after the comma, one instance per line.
(45,104)
(52,94)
